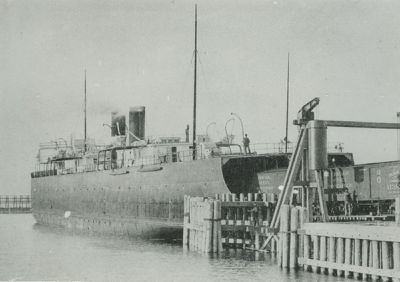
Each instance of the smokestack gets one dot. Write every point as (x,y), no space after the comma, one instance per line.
(137,123)
(118,124)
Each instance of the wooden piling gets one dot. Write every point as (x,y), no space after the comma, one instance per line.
(365,256)
(190,222)
(397,211)
(396,259)
(273,246)
(375,258)
(284,234)
(256,240)
(279,250)
(186,203)
(323,247)
(347,255)
(217,227)
(357,256)
(315,241)
(294,225)
(340,254)
(241,198)
(332,253)
(307,239)
(209,212)
(303,218)
(385,258)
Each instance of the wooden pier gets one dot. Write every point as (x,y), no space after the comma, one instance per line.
(361,251)
(352,249)
(15,204)
(229,221)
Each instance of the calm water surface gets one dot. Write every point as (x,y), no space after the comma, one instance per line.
(33,252)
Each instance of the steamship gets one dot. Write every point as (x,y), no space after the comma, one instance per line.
(137,186)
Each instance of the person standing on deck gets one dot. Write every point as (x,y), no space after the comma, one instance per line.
(114,156)
(187,133)
(347,203)
(246,143)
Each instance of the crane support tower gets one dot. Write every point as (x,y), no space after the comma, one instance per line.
(309,161)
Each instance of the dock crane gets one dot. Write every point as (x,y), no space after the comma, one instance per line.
(310,157)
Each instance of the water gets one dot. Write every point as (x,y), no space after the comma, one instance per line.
(33,252)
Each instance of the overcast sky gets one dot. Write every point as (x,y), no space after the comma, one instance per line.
(141,53)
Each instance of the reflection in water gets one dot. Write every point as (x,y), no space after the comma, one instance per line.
(35,252)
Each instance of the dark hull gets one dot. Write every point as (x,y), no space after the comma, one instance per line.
(141,202)
(145,201)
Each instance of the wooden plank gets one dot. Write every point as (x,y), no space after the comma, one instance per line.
(354,231)
(353,268)
(365,256)
(245,204)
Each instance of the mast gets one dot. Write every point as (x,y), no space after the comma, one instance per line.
(287,104)
(84,141)
(195,84)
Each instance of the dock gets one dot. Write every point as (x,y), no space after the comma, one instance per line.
(15,204)
(352,249)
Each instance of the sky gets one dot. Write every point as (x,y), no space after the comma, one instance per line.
(140,53)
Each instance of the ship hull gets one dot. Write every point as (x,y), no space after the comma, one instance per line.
(132,201)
